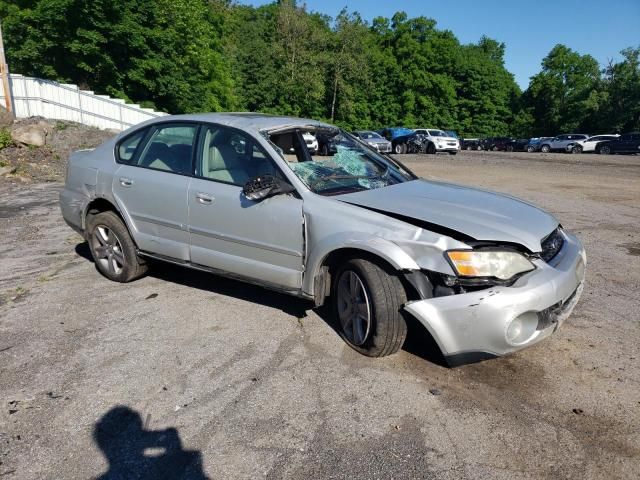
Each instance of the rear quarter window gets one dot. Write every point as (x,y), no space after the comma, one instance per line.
(127,148)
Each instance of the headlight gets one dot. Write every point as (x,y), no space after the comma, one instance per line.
(498,264)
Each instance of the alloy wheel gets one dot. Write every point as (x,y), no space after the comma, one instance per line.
(108,249)
(354,308)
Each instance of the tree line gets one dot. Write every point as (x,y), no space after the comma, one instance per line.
(216,55)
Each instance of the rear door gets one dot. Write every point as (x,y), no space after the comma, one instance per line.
(258,240)
(151,187)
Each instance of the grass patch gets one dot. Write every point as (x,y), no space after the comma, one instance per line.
(5,138)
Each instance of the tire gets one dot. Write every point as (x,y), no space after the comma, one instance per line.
(605,150)
(324,150)
(479,148)
(399,148)
(576,149)
(112,248)
(545,149)
(453,153)
(531,149)
(382,295)
(431,149)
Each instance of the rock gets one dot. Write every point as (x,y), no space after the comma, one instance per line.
(7,170)
(34,135)
(6,118)
(435,391)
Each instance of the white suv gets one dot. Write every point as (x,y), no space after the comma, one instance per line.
(589,145)
(439,141)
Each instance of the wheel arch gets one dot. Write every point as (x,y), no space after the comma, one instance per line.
(329,254)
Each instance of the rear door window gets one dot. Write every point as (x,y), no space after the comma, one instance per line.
(170,148)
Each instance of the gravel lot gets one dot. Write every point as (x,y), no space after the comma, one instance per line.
(240,382)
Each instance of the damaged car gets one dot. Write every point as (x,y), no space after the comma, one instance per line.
(241,195)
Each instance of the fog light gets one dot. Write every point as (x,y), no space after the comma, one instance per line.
(521,328)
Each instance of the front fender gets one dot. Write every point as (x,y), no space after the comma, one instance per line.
(380,247)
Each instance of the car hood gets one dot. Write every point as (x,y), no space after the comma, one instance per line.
(479,214)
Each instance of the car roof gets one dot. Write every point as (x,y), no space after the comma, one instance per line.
(253,122)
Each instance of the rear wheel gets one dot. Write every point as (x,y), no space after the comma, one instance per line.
(531,149)
(605,150)
(545,149)
(366,304)
(576,149)
(431,149)
(112,247)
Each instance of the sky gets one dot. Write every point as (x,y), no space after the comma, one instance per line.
(530,29)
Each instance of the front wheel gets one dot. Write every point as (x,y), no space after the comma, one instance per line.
(605,150)
(431,149)
(453,153)
(399,148)
(576,149)
(545,149)
(531,149)
(366,304)
(112,247)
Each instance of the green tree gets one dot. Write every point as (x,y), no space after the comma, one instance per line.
(163,53)
(563,94)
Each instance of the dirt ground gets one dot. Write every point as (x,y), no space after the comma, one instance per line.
(184,368)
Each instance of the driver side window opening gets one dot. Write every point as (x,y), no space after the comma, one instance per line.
(229,156)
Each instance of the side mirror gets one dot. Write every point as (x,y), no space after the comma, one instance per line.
(265,186)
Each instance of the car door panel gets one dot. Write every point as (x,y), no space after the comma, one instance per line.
(258,240)
(156,206)
(151,188)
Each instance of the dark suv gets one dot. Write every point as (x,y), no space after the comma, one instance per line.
(627,143)
(496,143)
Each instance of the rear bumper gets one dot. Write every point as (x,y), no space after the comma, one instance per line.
(72,207)
(478,325)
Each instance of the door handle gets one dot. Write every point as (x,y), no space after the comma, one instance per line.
(204,198)
(126,182)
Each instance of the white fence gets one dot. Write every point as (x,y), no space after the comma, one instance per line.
(45,98)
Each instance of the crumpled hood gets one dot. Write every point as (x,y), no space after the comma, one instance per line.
(479,214)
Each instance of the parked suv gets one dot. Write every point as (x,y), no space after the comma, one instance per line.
(374,139)
(562,143)
(496,143)
(536,143)
(627,143)
(589,145)
(439,141)
(484,273)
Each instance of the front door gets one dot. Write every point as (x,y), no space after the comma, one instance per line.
(152,185)
(257,240)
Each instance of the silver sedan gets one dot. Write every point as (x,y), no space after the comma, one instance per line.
(240,195)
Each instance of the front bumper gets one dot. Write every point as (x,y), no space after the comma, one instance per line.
(476,325)
(447,147)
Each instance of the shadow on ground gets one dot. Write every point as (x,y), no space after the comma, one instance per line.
(134,452)
(419,342)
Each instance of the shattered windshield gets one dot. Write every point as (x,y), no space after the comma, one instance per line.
(340,164)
